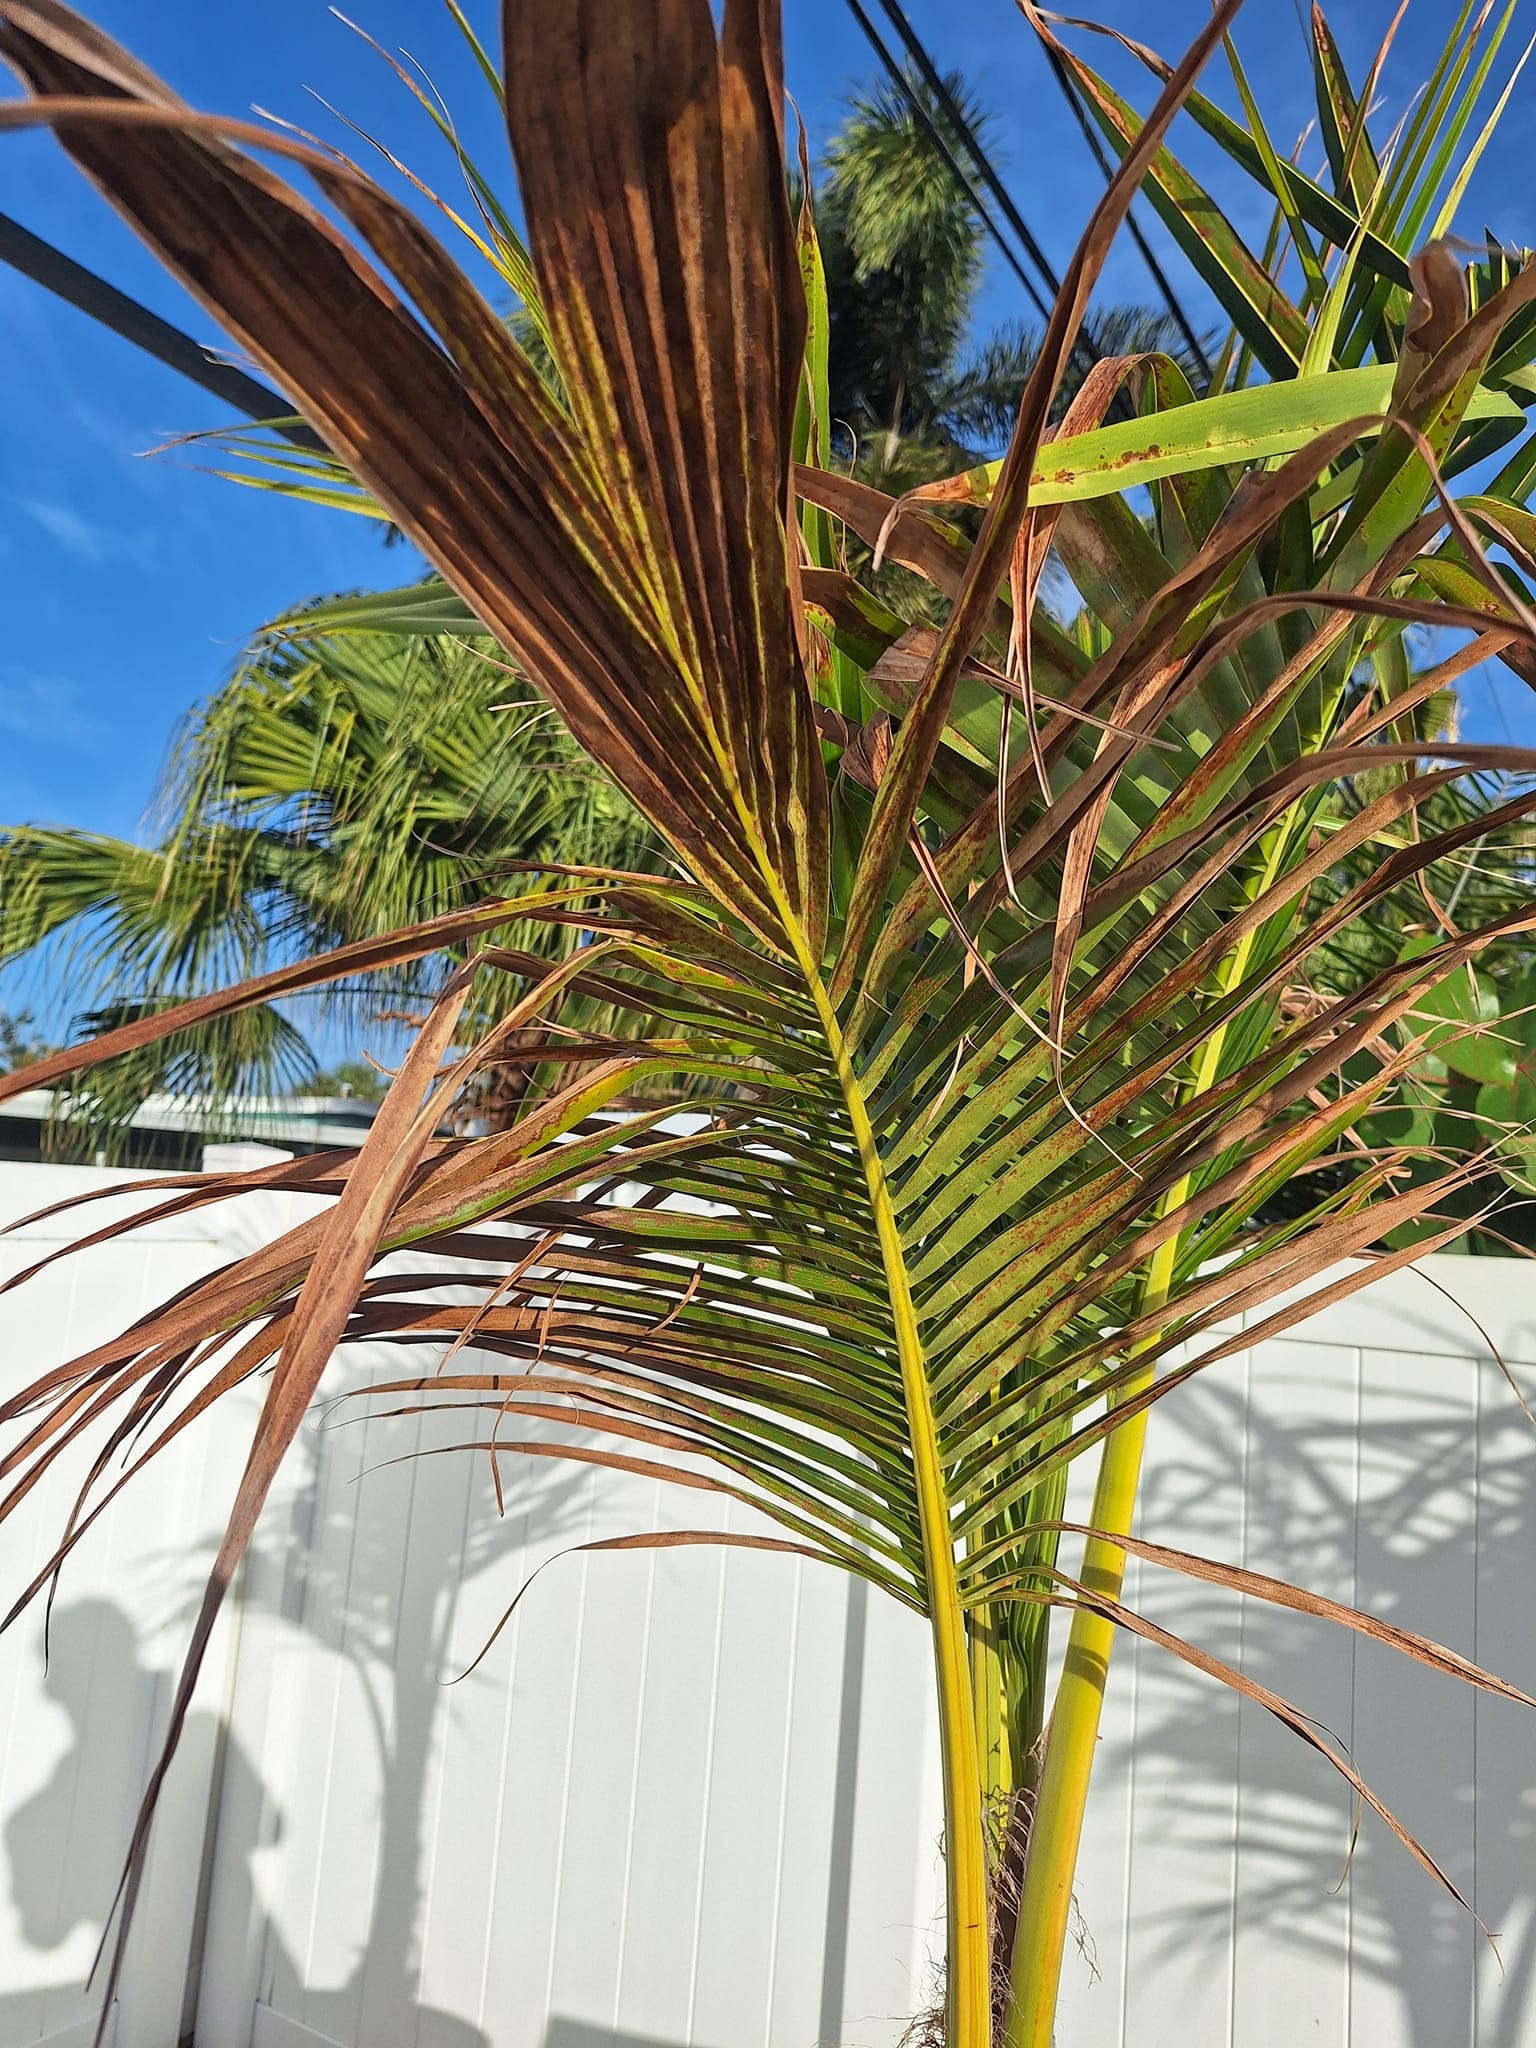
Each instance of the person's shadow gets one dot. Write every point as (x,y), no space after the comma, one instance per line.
(57,1887)
(64,1845)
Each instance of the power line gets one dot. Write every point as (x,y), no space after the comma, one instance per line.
(1084,347)
(90,294)
(930,126)
(1159,277)
(955,115)
(1000,191)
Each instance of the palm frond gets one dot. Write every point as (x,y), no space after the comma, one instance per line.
(999,946)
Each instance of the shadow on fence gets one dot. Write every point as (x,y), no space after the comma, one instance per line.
(1427,1517)
(1424,1519)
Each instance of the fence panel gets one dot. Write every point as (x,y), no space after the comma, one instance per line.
(77,1737)
(680,1799)
(1378,1455)
(689,1798)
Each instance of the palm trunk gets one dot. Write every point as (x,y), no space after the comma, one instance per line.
(1023,1634)
(1045,1904)
(1011,1797)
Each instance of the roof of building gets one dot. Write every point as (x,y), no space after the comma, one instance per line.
(177,1125)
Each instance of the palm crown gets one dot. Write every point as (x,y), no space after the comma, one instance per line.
(911,395)
(390,766)
(984,936)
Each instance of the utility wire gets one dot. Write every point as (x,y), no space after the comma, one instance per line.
(954,114)
(83,289)
(1159,278)
(1085,347)
(936,137)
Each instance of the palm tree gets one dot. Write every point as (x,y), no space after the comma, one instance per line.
(19,1043)
(903,247)
(336,787)
(985,937)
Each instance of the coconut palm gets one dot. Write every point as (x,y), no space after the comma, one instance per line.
(986,937)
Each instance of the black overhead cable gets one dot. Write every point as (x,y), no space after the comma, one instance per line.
(957,172)
(1159,278)
(955,115)
(82,288)
(1085,348)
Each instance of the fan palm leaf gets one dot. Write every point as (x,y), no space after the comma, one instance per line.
(340,785)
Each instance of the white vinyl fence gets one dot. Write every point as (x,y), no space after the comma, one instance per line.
(689,1799)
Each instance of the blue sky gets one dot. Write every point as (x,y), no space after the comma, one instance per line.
(131,582)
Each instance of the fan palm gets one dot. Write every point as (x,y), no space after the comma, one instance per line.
(337,787)
(986,937)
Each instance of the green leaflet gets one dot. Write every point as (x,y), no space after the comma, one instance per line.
(1316,206)
(1235,427)
(1459,1019)
(426,607)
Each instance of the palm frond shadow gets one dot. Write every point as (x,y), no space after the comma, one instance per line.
(1429,1513)
(328,1567)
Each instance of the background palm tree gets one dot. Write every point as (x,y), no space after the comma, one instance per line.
(914,394)
(334,788)
(19,1043)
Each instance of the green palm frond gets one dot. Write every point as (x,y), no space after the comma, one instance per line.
(1378,201)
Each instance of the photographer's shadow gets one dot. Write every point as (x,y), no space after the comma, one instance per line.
(65,1844)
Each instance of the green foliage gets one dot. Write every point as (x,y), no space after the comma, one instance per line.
(350,1077)
(1044,978)
(1372,218)
(19,1043)
(1467,1093)
(207,1071)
